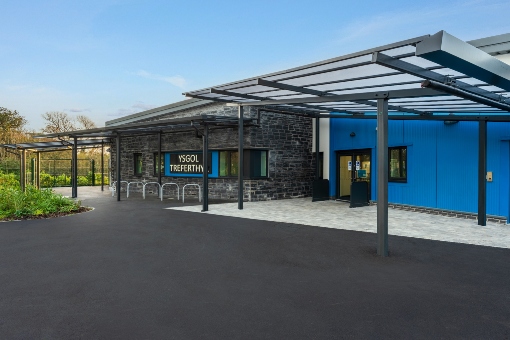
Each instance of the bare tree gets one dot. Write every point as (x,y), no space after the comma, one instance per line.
(57,122)
(85,122)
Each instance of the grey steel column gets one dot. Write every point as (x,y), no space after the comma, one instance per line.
(205,163)
(38,172)
(482,171)
(102,165)
(23,170)
(159,158)
(382,177)
(117,145)
(317,138)
(74,170)
(240,167)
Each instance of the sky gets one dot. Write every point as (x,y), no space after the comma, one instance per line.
(110,58)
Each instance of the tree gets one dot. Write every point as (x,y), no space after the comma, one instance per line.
(57,122)
(11,126)
(85,122)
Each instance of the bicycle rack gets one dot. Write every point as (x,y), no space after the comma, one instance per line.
(161,190)
(145,184)
(199,191)
(133,183)
(113,187)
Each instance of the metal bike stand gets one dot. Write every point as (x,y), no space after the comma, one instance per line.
(162,186)
(145,184)
(130,184)
(194,185)
(113,186)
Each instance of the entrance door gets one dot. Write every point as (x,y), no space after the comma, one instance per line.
(352,165)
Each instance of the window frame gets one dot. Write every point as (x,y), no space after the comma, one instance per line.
(135,158)
(402,164)
(162,164)
(248,164)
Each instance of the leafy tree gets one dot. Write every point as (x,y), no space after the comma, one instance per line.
(11,126)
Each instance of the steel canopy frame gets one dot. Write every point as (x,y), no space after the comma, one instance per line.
(180,125)
(440,67)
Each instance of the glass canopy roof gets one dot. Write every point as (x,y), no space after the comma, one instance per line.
(386,69)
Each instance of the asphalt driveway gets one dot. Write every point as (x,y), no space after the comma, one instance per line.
(133,270)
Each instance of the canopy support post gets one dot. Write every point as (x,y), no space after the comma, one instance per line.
(317,148)
(205,163)
(74,170)
(382,177)
(117,145)
(38,170)
(482,170)
(102,165)
(240,158)
(23,170)
(159,158)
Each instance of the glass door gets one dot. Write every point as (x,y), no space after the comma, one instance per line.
(353,165)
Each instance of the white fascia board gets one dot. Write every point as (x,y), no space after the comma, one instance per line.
(449,51)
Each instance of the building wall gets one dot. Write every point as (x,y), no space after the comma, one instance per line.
(288,139)
(442,162)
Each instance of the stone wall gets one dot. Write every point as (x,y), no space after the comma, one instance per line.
(288,139)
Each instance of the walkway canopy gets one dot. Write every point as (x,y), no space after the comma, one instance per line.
(201,124)
(428,77)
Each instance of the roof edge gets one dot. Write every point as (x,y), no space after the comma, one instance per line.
(158,111)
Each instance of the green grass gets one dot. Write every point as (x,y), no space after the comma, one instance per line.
(33,203)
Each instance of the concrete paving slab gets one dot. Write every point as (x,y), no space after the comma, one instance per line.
(338,215)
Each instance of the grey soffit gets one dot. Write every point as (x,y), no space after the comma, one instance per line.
(158,111)
(151,127)
(498,44)
(392,69)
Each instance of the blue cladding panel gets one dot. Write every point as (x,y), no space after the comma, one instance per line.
(442,162)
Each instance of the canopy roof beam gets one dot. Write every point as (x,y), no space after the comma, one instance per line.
(352,97)
(502,105)
(247,96)
(323,94)
(403,66)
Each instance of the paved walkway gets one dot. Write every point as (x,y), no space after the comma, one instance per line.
(338,215)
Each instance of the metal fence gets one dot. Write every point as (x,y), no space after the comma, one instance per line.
(57,172)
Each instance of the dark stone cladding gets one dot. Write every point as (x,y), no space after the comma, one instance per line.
(287,137)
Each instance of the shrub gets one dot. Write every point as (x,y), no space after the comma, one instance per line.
(14,203)
(9,180)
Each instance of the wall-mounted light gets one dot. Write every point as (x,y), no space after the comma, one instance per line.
(450,122)
(352,134)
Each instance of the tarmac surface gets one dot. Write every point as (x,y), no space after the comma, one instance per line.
(134,270)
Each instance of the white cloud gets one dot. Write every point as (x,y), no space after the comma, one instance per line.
(174,80)
(77,110)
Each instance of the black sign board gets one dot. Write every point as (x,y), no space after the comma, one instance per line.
(188,163)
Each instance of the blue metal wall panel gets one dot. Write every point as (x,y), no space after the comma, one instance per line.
(457,166)
(442,162)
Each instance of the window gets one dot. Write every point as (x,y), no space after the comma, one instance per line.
(255,163)
(156,163)
(228,163)
(138,164)
(398,164)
